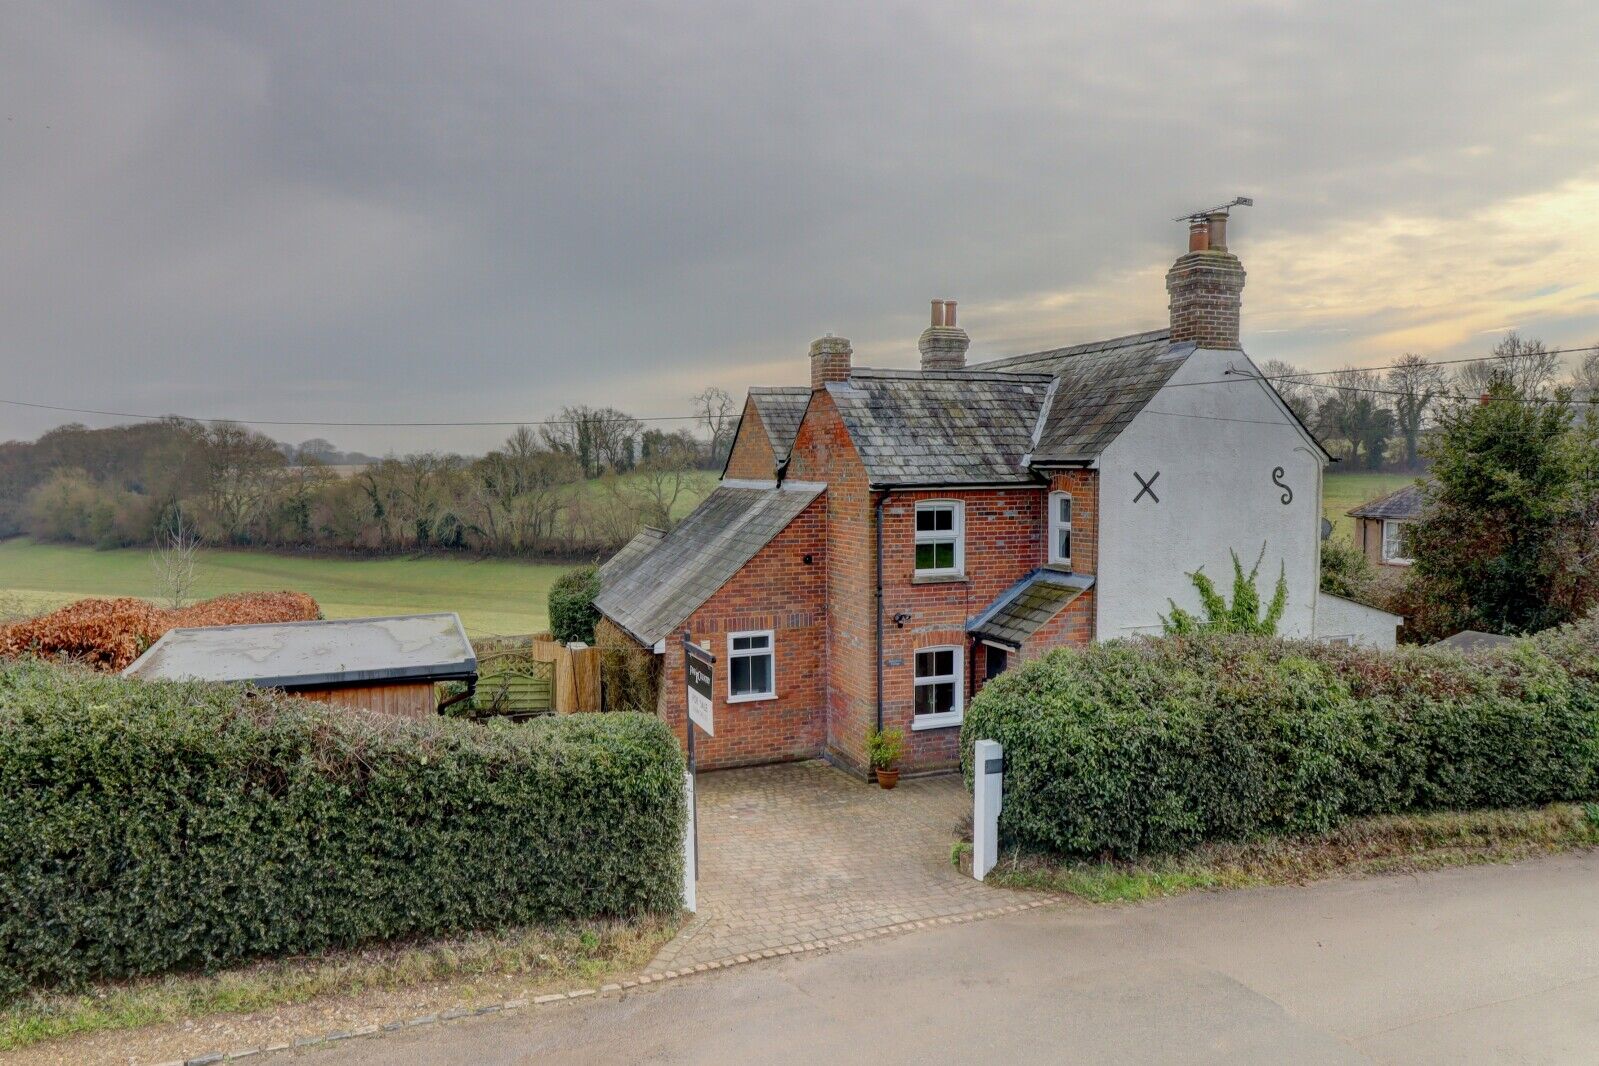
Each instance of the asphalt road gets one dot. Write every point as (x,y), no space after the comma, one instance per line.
(1491,964)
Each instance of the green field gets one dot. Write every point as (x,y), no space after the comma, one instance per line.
(492,596)
(1340,492)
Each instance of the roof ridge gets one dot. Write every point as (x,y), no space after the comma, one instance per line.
(1020,377)
(1125,341)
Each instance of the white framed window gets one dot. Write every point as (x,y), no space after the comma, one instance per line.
(940,538)
(751,666)
(939,701)
(1393,543)
(1060,528)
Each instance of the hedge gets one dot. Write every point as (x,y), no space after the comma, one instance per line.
(1159,744)
(147,827)
(571,603)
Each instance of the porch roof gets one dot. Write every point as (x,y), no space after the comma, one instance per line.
(1025,607)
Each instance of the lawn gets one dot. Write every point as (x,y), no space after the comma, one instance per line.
(1340,492)
(492,596)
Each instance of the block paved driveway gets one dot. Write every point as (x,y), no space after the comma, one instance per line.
(802,852)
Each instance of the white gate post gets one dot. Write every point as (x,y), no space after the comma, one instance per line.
(690,901)
(988,777)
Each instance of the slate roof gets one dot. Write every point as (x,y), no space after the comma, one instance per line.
(941,427)
(655,593)
(1402,504)
(1026,606)
(1471,640)
(417,647)
(643,542)
(781,407)
(1101,387)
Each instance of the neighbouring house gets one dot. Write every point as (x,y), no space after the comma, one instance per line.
(885,541)
(1380,525)
(1468,641)
(391,665)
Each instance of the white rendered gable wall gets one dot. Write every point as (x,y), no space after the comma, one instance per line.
(1217,449)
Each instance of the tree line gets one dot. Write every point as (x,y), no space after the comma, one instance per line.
(1373,419)
(582,482)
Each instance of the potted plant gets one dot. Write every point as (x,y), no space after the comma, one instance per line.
(883,748)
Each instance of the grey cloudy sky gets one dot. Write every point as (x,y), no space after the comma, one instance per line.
(409,211)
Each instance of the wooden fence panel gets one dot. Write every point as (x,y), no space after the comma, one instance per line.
(577,674)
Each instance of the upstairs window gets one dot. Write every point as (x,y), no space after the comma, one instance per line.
(750,673)
(938,688)
(1060,528)
(939,536)
(1393,543)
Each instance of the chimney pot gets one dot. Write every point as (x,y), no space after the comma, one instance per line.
(1206,287)
(830,358)
(1216,222)
(943,344)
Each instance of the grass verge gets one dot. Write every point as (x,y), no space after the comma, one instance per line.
(535,960)
(1388,844)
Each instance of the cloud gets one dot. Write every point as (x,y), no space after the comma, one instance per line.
(401,212)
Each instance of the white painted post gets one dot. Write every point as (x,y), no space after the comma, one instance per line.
(987,794)
(690,900)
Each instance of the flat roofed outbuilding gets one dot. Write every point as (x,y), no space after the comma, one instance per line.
(397,659)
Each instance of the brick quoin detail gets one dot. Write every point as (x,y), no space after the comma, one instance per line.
(751,457)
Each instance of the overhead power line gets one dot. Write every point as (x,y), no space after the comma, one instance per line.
(1297,377)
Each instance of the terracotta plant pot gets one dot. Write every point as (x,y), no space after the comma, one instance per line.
(888,778)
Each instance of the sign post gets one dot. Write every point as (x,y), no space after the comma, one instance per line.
(699,683)
(988,792)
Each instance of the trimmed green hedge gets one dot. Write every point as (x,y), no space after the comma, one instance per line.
(571,602)
(145,827)
(1158,744)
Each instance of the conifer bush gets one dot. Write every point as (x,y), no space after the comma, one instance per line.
(1159,744)
(146,827)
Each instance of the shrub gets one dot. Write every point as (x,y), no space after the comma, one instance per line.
(1156,745)
(110,634)
(572,613)
(630,674)
(884,747)
(1345,570)
(146,827)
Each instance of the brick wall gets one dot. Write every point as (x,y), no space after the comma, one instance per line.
(751,457)
(823,452)
(780,591)
(1004,541)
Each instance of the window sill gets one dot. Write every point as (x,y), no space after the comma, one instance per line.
(951,720)
(937,579)
(753,697)
(1397,562)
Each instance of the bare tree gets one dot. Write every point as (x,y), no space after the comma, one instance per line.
(175,558)
(1585,378)
(600,438)
(1287,379)
(715,408)
(240,472)
(1418,384)
(661,480)
(1529,367)
(1356,412)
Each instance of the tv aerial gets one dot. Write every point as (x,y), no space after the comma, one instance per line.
(1237,201)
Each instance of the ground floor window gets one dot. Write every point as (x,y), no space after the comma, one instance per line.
(1394,549)
(750,669)
(938,688)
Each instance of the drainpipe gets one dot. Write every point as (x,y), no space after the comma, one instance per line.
(881,497)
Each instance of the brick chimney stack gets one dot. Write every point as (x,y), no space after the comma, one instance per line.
(829,360)
(1206,286)
(943,343)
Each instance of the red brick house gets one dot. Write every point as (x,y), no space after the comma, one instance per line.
(884,541)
